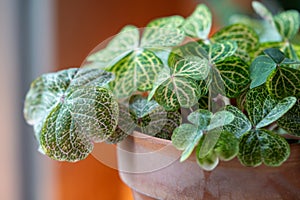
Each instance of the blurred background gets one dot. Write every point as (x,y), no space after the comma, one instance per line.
(39,36)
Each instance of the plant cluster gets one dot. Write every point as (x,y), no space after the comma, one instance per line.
(227,94)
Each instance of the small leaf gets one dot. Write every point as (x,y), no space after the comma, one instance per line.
(167,22)
(260,69)
(291,120)
(220,119)
(122,44)
(258,104)
(199,23)
(284,82)
(225,149)
(262,11)
(200,118)
(275,54)
(220,51)
(262,146)
(287,23)
(280,109)
(240,124)
(136,71)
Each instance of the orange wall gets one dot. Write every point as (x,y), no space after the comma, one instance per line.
(81,25)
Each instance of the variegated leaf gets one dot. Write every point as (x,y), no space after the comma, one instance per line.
(69,110)
(240,125)
(258,104)
(235,75)
(262,146)
(220,51)
(291,120)
(198,24)
(287,23)
(284,82)
(245,37)
(278,111)
(136,71)
(167,22)
(201,118)
(122,44)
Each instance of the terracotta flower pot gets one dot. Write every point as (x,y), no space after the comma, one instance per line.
(151,168)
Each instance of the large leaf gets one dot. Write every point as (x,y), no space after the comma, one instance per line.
(260,69)
(291,120)
(70,109)
(244,36)
(284,82)
(278,111)
(220,51)
(225,149)
(262,146)
(287,23)
(240,124)
(198,25)
(258,104)
(136,71)
(180,86)
(122,44)
(235,75)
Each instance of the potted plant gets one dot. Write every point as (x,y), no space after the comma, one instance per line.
(171,92)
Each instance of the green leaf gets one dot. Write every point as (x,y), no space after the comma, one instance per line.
(276,55)
(259,104)
(70,109)
(201,118)
(220,119)
(235,75)
(278,111)
(167,22)
(260,69)
(157,37)
(225,149)
(180,87)
(291,120)
(240,124)
(262,11)
(287,23)
(186,137)
(124,42)
(284,82)
(262,146)
(244,36)
(148,117)
(220,51)
(198,24)
(136,71)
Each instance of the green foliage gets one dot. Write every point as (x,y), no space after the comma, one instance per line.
(231,90)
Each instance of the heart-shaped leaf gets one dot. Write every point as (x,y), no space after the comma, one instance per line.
(291,120)
(136,71)
(287,23)
(284,82)
(220,51)
(235,75)
(225,149)
(260,69)
(70,109)
(278,111)
(198,24)
(240,124)
(262,146)
(121,45)
(258,104)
